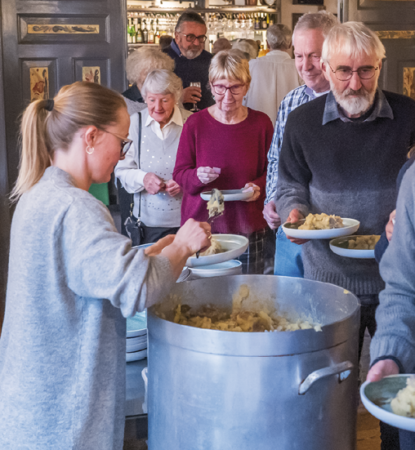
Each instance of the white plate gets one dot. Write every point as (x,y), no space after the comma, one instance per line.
(377,396)
(233,244)
(231,267)
(231,195)
(137,340)
(350,227)
(137,325)
(135,347)
(338,246)
(136,356)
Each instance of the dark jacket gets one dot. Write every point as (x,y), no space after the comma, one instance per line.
(190,70)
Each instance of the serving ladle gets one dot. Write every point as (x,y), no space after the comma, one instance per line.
(216,207)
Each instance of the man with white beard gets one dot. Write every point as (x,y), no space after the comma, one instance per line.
(341,155)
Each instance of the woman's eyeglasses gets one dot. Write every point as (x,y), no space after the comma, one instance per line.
(125,144)
(220,89)
(346,73)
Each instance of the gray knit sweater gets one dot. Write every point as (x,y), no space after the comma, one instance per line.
(395,316)
(72,278)
(348,169)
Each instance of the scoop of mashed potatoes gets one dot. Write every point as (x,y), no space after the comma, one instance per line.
(321,222)
(363,242)
(214,248)
(240,319)
(404,402)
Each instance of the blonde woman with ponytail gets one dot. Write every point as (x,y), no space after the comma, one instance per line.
(73,278)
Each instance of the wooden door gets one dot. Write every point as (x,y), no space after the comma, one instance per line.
(48,44)
(394,21)
(4,204)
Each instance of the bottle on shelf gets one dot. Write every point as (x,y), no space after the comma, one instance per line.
(151,33)
(129,37)
(157,33)
(264,21)
(257,25)
(133,33)
(145,33)
(138,32)
(271,21)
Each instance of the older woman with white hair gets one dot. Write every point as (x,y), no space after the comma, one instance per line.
(148,166)
(225,147)
(138,65)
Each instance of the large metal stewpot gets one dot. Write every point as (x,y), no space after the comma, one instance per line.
(221,390)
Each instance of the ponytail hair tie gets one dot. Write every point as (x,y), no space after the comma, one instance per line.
(49,105)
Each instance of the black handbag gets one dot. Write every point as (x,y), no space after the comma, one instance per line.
(134,226)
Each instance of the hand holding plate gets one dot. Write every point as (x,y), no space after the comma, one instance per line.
(294,217)
(382,369)
(251,187)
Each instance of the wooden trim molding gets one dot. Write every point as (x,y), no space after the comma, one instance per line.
(398,34)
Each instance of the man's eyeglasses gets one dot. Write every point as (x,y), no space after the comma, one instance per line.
(125,144)
(346,73)
(220,89)
(192,38)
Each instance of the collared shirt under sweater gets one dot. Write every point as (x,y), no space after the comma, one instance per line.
(348,169)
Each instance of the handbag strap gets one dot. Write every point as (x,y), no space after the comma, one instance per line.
(139,158)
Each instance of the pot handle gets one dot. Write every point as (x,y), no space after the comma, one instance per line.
(343,369)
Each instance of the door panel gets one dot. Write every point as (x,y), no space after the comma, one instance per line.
(394,23)
(48,44)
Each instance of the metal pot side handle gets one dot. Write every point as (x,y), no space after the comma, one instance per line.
(343,369)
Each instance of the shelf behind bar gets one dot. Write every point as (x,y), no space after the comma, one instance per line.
(141,44)
(229,9)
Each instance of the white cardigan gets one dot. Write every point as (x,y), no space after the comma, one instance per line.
(159,157)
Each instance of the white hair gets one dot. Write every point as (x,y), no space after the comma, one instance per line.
(279,36)
(162,81)
(142,61)
(245,47)
(353,39)
(321,20)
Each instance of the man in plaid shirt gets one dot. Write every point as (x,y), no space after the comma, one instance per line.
(308,38)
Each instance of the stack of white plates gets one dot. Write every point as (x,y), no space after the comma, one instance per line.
(232,267)
(137,337)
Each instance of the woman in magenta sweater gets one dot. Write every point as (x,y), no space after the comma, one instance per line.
(225,147)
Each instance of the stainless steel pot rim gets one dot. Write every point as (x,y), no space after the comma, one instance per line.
(219,342)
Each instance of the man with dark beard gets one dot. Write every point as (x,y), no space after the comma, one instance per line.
(341,155)
(192,61)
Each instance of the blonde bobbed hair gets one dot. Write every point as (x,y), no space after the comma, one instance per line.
(353,39)
(229,65)
(78,105)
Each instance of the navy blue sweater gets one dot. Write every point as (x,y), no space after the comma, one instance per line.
(196,69)
(348,169)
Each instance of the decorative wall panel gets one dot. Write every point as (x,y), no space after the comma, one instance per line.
(38,79)
(35,29)
(39,83)
(396,34)
(409,82)
(92,70)
(62,29)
